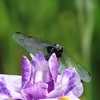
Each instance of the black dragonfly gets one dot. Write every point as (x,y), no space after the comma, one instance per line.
(33,45)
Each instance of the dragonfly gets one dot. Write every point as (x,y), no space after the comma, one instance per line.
(33,45)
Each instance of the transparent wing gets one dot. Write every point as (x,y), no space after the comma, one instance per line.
(69,61)
(31,44)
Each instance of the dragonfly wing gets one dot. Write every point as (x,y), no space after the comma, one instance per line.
(71,62)
(84,74)
(62,65)
(31,44)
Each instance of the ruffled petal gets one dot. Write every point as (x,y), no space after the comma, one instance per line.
(3,88)
(13,85)
(68,79)
(65,83)
(78,90)
(36,91)
(73,82)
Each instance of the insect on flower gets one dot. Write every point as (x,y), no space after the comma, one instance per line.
(33,45)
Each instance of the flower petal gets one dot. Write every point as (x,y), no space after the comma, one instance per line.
(68,79)
(58,92)
(41,67)
(51,85)
(36,91)
(40,57)
(40,60)
(78,90)
(65,84)
(13,84)
(26,71)
(3,88)
(53,65)
(74,82)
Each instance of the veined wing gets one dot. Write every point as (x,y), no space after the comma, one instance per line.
(71,62)
(31,44)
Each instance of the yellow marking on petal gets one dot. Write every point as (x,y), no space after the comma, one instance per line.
(64,98)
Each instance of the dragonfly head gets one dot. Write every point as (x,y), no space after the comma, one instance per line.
(57,49)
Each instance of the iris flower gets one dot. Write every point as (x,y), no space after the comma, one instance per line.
(40,81)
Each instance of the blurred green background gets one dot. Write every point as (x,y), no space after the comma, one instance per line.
(73,24)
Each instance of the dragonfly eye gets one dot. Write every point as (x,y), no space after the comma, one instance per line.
(58,48)
(58,51)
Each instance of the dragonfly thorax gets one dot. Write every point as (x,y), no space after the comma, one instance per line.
(57,49)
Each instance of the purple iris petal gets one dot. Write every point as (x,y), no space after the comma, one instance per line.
(13,84)
(40,57)
(53,65)
(74,83)
(58,92)
(65,84)
(51,85)
(39,62)
(26,71)
(3,88)
(36,91)
(41,67)
(78,90)
(38,76)
(69,75)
